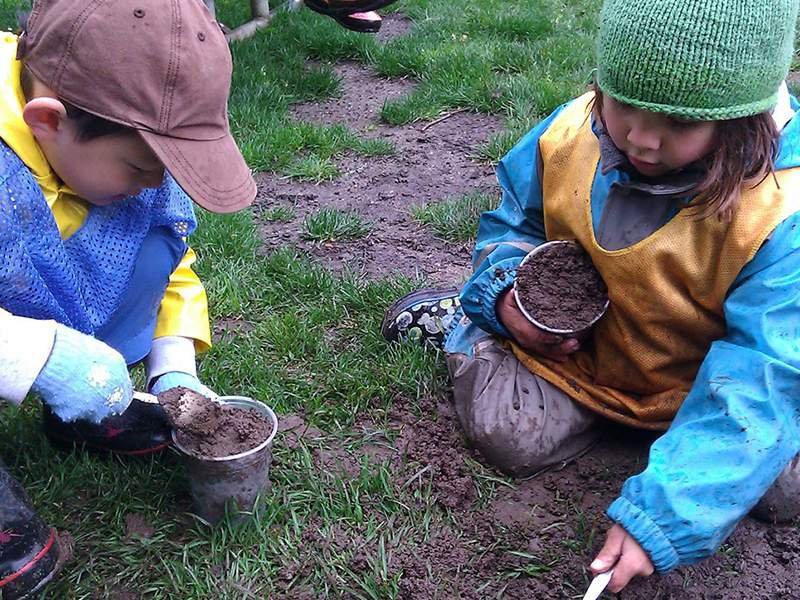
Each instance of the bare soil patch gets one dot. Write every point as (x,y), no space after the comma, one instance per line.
(429,166)
(534,538)
(531,539)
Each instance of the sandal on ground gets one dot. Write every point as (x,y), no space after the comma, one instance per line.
(362,22)
(424,316)
(345,7)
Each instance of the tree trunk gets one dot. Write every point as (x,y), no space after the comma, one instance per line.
(259,8)
(261,18)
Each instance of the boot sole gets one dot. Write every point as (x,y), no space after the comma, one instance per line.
(409,300)
(64,443)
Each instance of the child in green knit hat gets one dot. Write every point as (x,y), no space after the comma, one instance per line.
(679,174)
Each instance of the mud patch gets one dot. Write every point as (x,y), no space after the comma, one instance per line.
(225,330)
(531,538)
(394,26)
(136,526)
(430,165)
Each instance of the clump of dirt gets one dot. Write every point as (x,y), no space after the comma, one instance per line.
(137,526)
(211,428)
(433,452)
(560,288)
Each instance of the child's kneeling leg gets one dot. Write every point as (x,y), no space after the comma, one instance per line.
(518,421)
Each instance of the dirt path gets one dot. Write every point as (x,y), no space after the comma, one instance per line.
(430,165)
(539,535)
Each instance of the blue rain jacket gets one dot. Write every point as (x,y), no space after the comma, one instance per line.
(739,425)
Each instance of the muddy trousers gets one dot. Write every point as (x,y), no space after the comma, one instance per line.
(522,424)
(519,422)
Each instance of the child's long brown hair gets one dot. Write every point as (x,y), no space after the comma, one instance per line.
(743,155)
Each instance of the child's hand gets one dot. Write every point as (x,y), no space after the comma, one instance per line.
(530,337)
(84,378)
(625,555)
(179,379)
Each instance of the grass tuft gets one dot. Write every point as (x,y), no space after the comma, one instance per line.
(330,224)
(455,220)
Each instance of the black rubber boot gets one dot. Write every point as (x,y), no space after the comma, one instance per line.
(142,429)
(30,552)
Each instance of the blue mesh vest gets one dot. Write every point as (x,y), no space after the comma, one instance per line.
(78,282)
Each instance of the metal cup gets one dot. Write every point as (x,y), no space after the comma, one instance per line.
(565,332)
(233,481)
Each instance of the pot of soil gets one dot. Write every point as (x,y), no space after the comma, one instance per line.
(559,290)
(227,446)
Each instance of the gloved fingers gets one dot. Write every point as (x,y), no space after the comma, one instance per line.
(174,379)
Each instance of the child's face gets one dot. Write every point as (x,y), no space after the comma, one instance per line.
(655,143)
(106,169)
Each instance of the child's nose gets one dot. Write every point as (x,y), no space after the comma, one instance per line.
(645,138)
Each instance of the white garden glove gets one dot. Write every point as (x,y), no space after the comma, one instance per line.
(83,378)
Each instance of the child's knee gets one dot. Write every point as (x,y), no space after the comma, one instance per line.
(518,422)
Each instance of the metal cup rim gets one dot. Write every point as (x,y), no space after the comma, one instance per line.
(530,318)
(244,402)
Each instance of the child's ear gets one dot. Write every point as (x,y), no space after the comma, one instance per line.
(44,116)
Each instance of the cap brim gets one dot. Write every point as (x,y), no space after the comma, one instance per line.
(212,172)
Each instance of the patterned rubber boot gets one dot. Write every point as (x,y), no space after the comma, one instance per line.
(30,551)
(142,429)
(423,316)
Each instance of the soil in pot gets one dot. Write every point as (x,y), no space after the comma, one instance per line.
(560,287)
(210,428)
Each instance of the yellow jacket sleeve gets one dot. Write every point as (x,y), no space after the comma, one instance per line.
(184,309)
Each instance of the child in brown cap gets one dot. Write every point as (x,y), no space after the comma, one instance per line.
(113,119)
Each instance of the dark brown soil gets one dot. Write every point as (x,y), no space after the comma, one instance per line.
(210,428)
(560,288)
(531,539)
(513,540)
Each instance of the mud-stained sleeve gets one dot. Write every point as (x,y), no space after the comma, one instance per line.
(508,233)
(738,427)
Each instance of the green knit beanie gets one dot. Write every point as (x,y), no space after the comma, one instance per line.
(698,59)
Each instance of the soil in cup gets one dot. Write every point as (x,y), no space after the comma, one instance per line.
(210,428)
(560,287)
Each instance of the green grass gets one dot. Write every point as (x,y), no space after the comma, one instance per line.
(278,214)
(314,348)
(455,220)
(330,224)
(519,59)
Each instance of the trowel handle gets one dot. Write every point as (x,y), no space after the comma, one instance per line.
(145,397)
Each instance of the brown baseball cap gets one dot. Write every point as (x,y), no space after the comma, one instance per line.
(162,67)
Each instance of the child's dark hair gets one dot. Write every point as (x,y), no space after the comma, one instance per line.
(87,125)
(743,155)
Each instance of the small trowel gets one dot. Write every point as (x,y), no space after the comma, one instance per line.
(598,584)
(182,408)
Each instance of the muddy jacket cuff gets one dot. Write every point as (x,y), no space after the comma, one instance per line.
(649,535)
(479,296)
